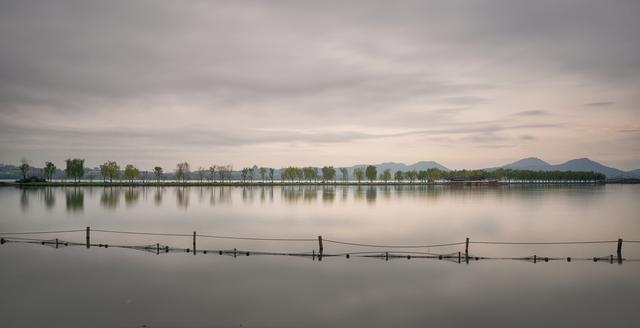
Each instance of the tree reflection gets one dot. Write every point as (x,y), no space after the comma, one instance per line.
(75,199)
(131,196)
(157,197)
(182,197)
(110,198)
(328,194)
(49,198)
(371,194)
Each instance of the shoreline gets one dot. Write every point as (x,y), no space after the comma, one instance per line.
(286,183)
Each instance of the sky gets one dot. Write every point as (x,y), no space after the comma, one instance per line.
(468,84)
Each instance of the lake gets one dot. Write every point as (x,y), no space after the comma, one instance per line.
(118,287)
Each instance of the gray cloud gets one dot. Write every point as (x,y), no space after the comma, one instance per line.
(531,113)
(600,104)
(194,75)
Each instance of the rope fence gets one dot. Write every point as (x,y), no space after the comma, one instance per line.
(399,251)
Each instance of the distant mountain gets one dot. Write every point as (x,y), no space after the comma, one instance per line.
(530,163)
(580,164)
(423,165)
(635,173)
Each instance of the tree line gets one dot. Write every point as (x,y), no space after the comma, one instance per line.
(110,170)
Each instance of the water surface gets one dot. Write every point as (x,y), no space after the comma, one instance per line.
(75,286)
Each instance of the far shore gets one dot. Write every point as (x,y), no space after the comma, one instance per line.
(297,183)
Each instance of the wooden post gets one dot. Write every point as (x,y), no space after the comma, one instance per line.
(535,259)
(386,256)
(321,249)
(56,242)
(88,237)
(2,241)
(458,257)
(619,251)
(157,249)
(194,243)
(466,249)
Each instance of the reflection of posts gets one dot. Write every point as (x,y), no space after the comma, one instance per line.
(320,248)
(619,251)
(88,237)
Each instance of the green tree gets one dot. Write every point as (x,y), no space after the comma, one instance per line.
(75,169)
(131,172)
(263,173)
(398,176)
(271,174)
(371,173)
(157,171)
(49,170)
(423,176)
(411,175)
(24,168)
(344,172)
(386,175)
(328,173)
(358,173)
(110,169)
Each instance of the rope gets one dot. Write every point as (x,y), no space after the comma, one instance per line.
(543,243)
(38,232)
(391,246)
(256,238)
(143,233)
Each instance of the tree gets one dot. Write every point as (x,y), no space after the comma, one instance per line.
(309,173)
(212,172)
(411,175)
(75,169)
(371,172)
(182,171)
(24,168)
(386,175)
(344,172)
(271,174)
(49,170)
(157,171)
(358,173)
(110,169)
(328,173)
(263,173)
(398,176)
(131,172)
(201,173)
(423,176)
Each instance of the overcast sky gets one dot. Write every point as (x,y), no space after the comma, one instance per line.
(465,83)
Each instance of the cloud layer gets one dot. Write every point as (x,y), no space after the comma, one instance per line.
(311,83)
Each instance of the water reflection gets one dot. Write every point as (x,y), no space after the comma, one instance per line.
(75,199)
(110,197)
(131,196)
(182,197)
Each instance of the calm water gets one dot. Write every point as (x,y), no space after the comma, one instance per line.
(97,287)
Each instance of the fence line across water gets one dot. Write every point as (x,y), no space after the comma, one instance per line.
(455,256)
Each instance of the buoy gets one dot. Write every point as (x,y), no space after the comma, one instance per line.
(439,257)
(347,255)
(204,252)
(546,259)
(220,252)
(568,259)
(2,241)
(187,250)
